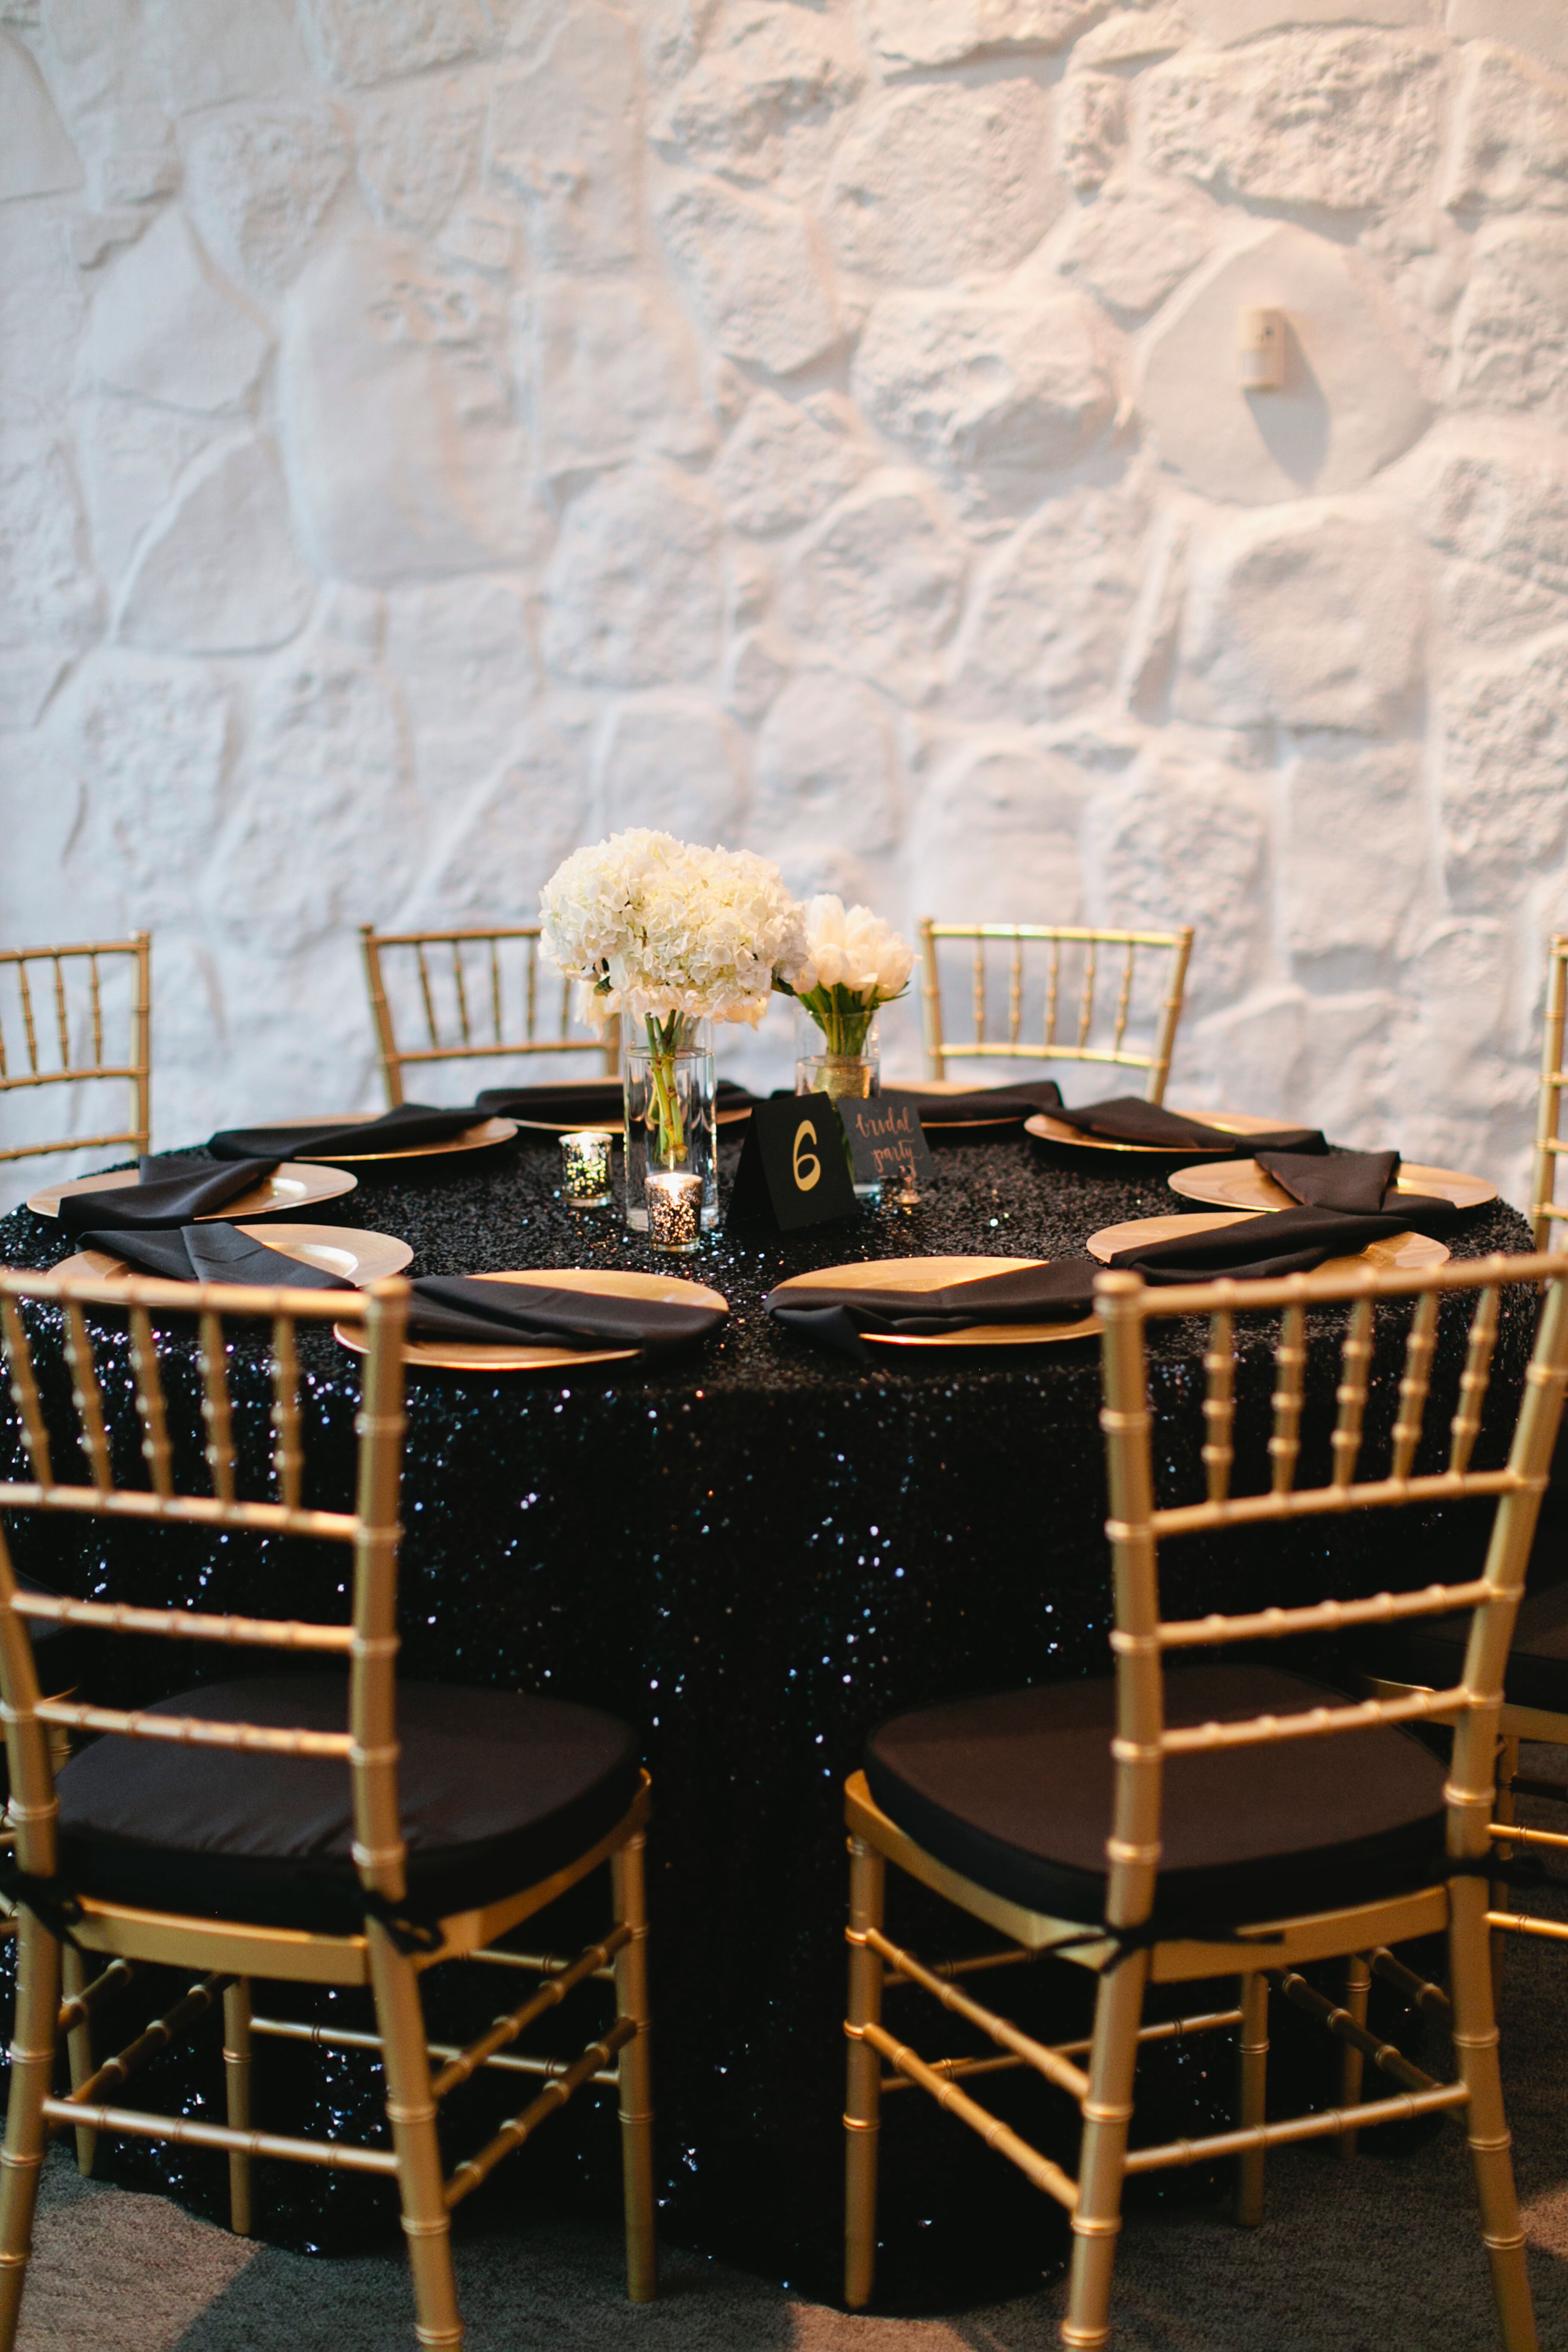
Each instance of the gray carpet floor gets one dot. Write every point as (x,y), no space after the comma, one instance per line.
(1379,2254)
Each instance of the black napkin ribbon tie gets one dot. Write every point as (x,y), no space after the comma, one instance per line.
(535,1314)
(394,1130)
(1356,1181)
(837,1316)
(1127,1118)
(982,1103)
(214,1252)
(1280,1242)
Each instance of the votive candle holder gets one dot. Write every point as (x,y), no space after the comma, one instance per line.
(674,1212)
(585,1169)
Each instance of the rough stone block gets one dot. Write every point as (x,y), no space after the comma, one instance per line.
(512,831)
(130,154)
(404,450)
(415,148)
(37,158)
(632,594)
(995,836)
(765,98)
(940,180)
(362,41)
(1505,814)
(564,133)
(754,271)
(1050,612)
(1510,331)
(1538,25)
(674,764)
(1349,402)
(1312,618)
(152,742)
(1137,241)
(163,328)
(1492,495)
(97,53)
(210,53)
(784,462)
(942,32)
(131,452)
(1346,118)
(880,580)
(220,573)
(258,185)
(1091,127)
(1351,871)
(756,667)
(1511,145)
(827,769)
(613,373)
(1240,20)
(1135,37)
(459,651)
(993,386)
(1182,839)
(48,594)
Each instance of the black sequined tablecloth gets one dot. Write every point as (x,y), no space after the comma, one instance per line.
(755,1554)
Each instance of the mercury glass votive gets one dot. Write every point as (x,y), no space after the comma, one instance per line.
(674,1212)
(585,1169)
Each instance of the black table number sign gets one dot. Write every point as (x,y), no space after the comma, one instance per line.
(887,1141)
(792,1169)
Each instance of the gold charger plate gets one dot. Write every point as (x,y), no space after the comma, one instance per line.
(356,1257)
(1242,1184)
(1399,1253)
(477,1138)
(474,1355)
(292,1185)
(1230,1122)
(930,1274)
(952,1086)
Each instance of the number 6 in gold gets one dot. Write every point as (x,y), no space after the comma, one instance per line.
(805,1167)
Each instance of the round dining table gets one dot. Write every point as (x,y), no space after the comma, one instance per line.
(754,1551)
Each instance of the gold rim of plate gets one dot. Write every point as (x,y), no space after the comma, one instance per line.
(1396,1254)
(1239,1123)
(361,1257)
(477,1138)
(474,1355)
(895,1273)
(291,1185)
(1242,1184)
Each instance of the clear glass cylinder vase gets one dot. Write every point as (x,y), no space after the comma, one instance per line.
(819,1069)
(667,1071)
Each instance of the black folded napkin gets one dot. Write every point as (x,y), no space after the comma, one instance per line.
(1126,1118)
(839,1314)
(983,1102)
(212,1253)
(1287,1240)
(1357,1181)
(393,1131)
(171,1192)
(510,1314)
(590,1102)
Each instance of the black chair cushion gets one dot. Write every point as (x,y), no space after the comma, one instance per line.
(498,1791)
(1431,1651)
(1014,1791)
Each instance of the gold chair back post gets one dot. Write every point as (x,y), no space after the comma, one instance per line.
(1550,1147)
(54,1033)
(1417,1468)
(1084,1019)
(388,1953)
(470,995)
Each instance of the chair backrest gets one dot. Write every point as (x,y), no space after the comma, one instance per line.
(1140,1523)
(471,996)
(1082,987)
(1550,1147)
(53,1031)
(211,1500)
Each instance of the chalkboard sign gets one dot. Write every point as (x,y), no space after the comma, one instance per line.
(887,1141)
(793,1169)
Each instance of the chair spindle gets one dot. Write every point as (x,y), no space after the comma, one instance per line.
(1219,1407)
(1413,1386)
(1467,1423)
(216,1413)
(149,1405)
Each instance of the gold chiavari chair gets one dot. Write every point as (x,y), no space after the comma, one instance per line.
(1550,1145)
(478,996)
(1157,1827)
(58,1033)
(1072,1031)
(320,1828)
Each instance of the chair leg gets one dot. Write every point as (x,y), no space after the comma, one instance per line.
(1107,2112)
(1352,2065)
(1475,2037)
(862,2106)
(410,2111)
(32,2069)
(635,2069)
(1252,2091)
(237,2084)
(78,2051)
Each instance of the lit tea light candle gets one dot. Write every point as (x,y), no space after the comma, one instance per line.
(585,1169)
(674,1212)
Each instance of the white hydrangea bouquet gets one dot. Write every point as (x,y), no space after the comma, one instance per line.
(855,963)
(669,935)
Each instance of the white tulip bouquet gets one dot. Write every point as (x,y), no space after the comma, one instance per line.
(855,963)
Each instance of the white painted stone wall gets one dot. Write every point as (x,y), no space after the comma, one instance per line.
(434,431)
